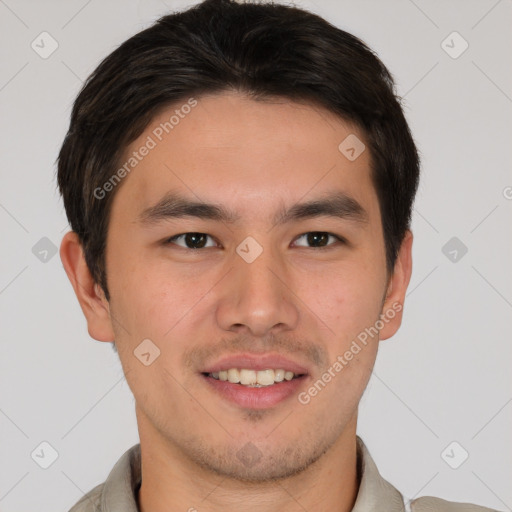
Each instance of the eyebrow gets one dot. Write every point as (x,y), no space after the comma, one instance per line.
(173,205)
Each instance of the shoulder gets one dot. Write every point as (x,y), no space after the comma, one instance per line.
(428,504)
(375,492)
(89,502)
(119,490)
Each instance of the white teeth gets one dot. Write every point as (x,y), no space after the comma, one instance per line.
(247,377)
(265,377)
(233,375)
(279,376)
(253,378)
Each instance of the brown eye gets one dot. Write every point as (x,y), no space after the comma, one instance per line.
(319,239)
(192,241)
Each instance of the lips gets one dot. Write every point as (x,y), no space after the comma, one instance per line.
(256,396)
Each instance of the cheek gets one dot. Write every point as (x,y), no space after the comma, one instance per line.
(350,305)
(142,302)
(152,307)
(160,300)
(347,298)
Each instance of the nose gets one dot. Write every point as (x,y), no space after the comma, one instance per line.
(258,297)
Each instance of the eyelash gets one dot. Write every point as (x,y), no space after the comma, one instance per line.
(171,240)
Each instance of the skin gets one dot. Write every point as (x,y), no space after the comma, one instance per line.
(252,157)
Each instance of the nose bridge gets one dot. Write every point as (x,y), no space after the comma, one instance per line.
(258,297)
(259,274)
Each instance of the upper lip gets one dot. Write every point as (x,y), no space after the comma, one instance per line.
(256,362)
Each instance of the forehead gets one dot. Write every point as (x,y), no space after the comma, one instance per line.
(252,155)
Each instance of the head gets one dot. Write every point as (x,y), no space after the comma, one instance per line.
(249,111)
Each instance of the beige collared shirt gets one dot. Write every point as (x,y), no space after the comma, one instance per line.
(118,493)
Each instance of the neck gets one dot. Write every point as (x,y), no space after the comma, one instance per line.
(171,481)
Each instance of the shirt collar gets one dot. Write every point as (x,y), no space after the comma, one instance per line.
(375,493)
(119,493)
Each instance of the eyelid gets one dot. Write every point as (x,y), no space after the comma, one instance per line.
(170,240)
(339,239)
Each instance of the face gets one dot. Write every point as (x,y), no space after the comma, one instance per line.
(256,281)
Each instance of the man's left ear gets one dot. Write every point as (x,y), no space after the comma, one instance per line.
(395,296)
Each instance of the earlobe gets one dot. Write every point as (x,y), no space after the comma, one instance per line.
(89,293)
(392,310)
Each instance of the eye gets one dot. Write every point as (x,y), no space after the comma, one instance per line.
(195,241)
(192,241)
(319,239)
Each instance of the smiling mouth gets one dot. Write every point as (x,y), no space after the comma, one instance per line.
(254,378)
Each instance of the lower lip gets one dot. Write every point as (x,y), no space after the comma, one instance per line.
(256,398)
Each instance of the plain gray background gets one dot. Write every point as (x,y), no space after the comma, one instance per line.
(444,378)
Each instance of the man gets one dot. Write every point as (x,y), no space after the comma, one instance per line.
(239,180)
